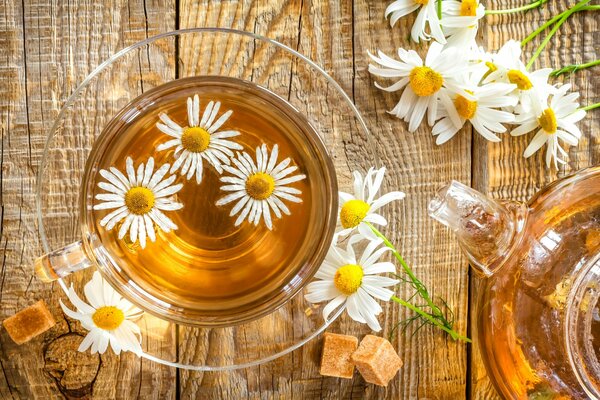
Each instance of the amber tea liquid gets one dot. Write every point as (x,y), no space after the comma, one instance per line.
(209,264)
(540,286)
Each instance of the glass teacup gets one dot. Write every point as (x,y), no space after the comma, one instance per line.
(213,270)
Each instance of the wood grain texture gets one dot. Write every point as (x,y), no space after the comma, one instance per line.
(499,168)
(48,46)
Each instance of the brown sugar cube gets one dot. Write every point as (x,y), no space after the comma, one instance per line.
(28,323)
(376,360)
(335,359)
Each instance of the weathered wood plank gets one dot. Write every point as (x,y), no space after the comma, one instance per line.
(49,47)
(279,20)
(500,169)
(435,367)
(337,36)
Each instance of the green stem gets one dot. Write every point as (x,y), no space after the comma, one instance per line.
(570,69)
(531,6)
(590,107)
(455,335)
(416,282)
(439,9)
(553,20)
(546,40)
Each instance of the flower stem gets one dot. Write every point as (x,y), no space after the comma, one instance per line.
(569,69)
(553,20)
(455,335)
(416,282)
(565,16)
(436,316)
(590,107)
(531,6)
(439,9)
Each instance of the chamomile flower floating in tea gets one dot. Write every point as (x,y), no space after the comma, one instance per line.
(554,119)
(460,20)
(108,317)
(425,85)
(352,283)
(427,16)
(139,200)
(260,186)
(361,207)
(200,140)
(480,109)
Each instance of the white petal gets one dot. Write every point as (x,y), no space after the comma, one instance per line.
(272,159)
(212,115)
(287,196)
(385,199)
(332,305)
(168,144)
(125,227)
(133,230)
(244,213)
(231,197)
(536,143)
(149,228)
(207,112)
(291,179)
(168,191)
(267,215)
(379,267)
(238,206)
(142,231)
(169,122)
(130,172)
(222,119)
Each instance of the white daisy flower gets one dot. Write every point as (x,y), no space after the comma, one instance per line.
(139,199)
(460,20)
(427,16)
(480,108)
(362,206)
(554,119)
(425,84)
(352,283)
(200,140)
(108,318)
(507,67)
(260,186)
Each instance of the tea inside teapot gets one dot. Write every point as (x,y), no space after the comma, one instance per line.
(539,314)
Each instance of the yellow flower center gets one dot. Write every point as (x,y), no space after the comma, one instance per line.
(520,79)
(465,107)
(260,186)
(422,2)
(424,81)
(108,318)
(353,212)
(348,278)
(491,67)
(468,8)
(139,200)
(195,139)
(548,121)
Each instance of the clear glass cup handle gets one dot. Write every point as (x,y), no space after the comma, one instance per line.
(62,262)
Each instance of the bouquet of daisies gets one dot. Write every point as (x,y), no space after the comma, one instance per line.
(459,81)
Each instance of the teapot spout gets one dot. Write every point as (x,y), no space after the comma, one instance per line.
(486,229)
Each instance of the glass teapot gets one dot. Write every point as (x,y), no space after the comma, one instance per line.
(539,311)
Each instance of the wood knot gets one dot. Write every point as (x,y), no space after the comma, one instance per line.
(73,371)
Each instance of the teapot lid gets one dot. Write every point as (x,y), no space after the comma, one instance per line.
(582,328)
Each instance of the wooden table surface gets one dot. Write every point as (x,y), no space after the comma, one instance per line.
(49,46)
